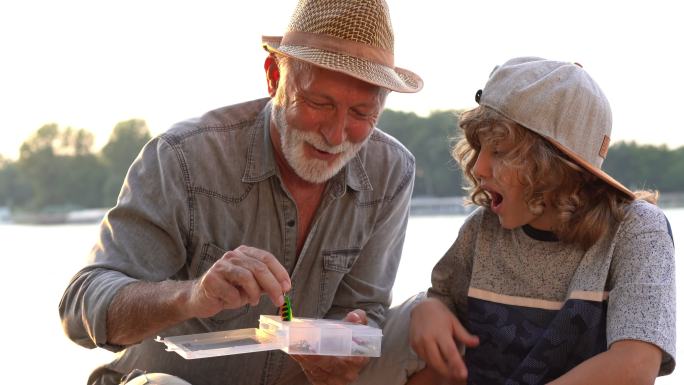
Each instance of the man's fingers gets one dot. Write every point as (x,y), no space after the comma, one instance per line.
(228,294)
(331,370)
(259,279)
(239,272)
(241,276)
(212,293)
(309,364)
(357,316)
(265,270)
(274,266)
(301,358)
(355,364)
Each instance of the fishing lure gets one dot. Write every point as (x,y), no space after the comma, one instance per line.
(286,309)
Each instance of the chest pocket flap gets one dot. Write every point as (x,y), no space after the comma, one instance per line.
(340,260)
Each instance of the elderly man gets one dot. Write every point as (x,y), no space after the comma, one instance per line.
(295,193)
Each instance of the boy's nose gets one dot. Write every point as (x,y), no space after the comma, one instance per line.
(482,167)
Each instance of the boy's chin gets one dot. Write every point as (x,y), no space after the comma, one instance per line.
(508,224)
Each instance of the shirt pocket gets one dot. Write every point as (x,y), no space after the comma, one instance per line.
(209,255)
(336,264)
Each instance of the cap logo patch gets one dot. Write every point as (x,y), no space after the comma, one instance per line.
(603,152)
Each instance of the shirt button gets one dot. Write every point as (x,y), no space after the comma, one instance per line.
(291,222)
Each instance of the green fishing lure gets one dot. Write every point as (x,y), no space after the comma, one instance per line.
(286,309)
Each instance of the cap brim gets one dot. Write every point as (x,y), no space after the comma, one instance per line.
(395,79)
(592,169)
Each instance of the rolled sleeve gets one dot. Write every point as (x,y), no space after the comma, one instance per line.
(143,237)
(84,308)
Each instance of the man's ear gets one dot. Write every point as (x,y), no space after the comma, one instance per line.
(272,74)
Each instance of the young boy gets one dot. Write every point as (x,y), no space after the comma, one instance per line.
(564,275)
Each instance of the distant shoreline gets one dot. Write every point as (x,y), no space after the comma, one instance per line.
(455,206)
(420,206)
(58,218)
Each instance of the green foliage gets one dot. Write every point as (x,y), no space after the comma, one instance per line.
(437,174)
(125,142)
(60,169)
(430,140)
(57,169)
(14,190)
(646,167)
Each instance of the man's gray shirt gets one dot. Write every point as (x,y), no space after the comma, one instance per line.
(211,184)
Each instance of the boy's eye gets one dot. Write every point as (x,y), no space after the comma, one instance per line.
(499,150)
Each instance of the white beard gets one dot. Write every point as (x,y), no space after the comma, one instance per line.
(310,169)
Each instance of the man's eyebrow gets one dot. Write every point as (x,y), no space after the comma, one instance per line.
(374,103)
(316,94)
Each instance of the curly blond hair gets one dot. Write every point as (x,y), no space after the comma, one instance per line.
(587,206)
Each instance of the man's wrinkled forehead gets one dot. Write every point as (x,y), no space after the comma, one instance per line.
(305,77)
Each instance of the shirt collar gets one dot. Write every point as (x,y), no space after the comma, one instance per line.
(355,173)
(261,161)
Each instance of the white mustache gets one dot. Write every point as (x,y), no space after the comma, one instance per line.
(332,150)
(318,143)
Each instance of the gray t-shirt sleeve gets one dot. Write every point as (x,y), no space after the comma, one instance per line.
(451,275)
(641,303)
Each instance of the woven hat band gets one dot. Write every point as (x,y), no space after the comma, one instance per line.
(338,45)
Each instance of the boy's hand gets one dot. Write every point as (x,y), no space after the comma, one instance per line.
(327,370)
(435,334)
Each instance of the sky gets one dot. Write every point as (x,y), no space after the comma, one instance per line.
(91,64)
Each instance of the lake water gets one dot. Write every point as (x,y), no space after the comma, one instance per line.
(40,260)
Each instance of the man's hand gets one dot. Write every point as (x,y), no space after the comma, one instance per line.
(240,277)
(326,370)
(435,334)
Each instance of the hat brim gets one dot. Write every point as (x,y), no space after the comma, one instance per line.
(592,169)
(395,79)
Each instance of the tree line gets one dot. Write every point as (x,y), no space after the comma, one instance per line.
(59,170)
(431,138)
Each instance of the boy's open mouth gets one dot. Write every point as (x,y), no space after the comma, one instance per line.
(496,197)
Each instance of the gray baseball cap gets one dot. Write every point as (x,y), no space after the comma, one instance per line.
(560,102)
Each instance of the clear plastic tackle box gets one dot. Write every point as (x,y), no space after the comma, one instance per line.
(299,336)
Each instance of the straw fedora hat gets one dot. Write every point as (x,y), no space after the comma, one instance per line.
(354,37)
(559,101)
